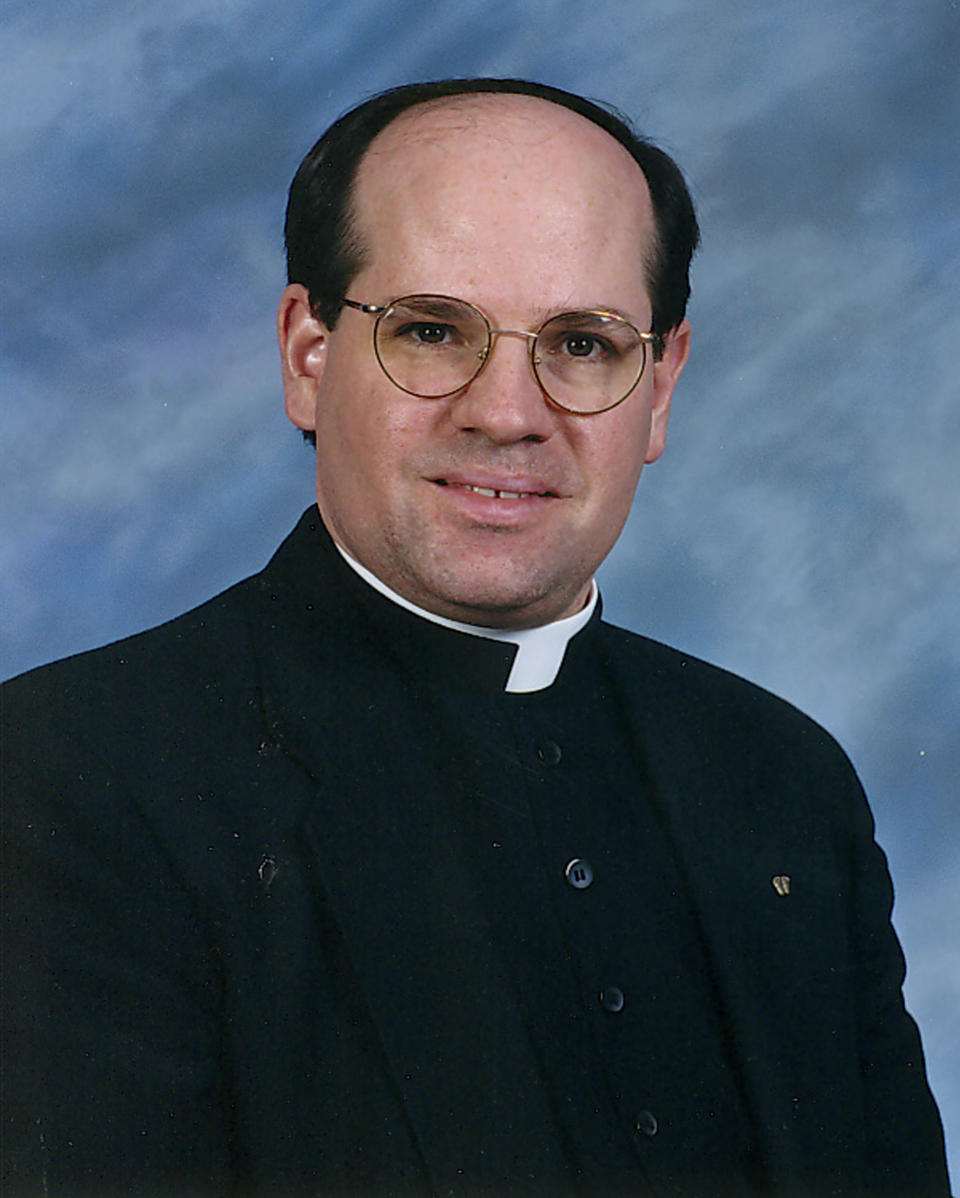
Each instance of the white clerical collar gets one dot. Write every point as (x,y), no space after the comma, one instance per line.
(540,650)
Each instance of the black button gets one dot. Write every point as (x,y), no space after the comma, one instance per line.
(549,752)
(611,998)
(579,873)
(646,1123)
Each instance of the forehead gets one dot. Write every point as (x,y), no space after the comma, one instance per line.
(491,177)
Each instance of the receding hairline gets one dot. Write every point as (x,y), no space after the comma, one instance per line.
(436,118)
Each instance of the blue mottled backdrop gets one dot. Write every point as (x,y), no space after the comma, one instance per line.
(802,529)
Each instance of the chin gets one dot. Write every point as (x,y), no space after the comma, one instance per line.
(497,605)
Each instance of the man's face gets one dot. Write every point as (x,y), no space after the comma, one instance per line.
(526,210)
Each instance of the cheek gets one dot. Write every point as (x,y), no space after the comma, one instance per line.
(616,457)
(344,451)
(366,439)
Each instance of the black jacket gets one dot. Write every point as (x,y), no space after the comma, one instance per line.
(244,950)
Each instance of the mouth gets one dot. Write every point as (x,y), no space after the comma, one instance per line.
(496,492)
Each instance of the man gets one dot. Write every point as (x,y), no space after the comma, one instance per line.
(394,869)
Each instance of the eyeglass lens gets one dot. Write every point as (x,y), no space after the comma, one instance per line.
(433,346)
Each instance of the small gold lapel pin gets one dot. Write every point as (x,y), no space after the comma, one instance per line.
(781,884)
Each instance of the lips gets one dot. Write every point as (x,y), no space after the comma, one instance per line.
(496,492)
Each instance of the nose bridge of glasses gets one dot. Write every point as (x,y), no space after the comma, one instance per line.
(513,333)
(530,338)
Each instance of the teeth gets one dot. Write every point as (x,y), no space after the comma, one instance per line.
(493,494)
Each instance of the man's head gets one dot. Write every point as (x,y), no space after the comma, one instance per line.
(491,503)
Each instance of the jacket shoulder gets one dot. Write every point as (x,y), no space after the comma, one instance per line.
(136,672)
(714,706)
(160,737)
(205,649)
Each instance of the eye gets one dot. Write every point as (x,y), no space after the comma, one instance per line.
(594,339)
(424,333)
(582,345)
(578,346)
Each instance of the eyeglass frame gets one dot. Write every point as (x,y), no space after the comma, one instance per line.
(379,311)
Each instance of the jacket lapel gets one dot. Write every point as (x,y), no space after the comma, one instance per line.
(388,836)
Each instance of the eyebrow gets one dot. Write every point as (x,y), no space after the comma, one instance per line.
(613,311)
(433,305)
(609,309)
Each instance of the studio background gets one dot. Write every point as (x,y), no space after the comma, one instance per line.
(803,528)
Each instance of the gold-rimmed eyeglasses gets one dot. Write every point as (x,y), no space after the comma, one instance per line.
(585,362)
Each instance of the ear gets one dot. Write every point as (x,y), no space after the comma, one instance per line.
(676,350)
(303,354)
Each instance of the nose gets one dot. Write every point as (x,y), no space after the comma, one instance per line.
(504,400)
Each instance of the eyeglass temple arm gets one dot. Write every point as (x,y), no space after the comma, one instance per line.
(370,309)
